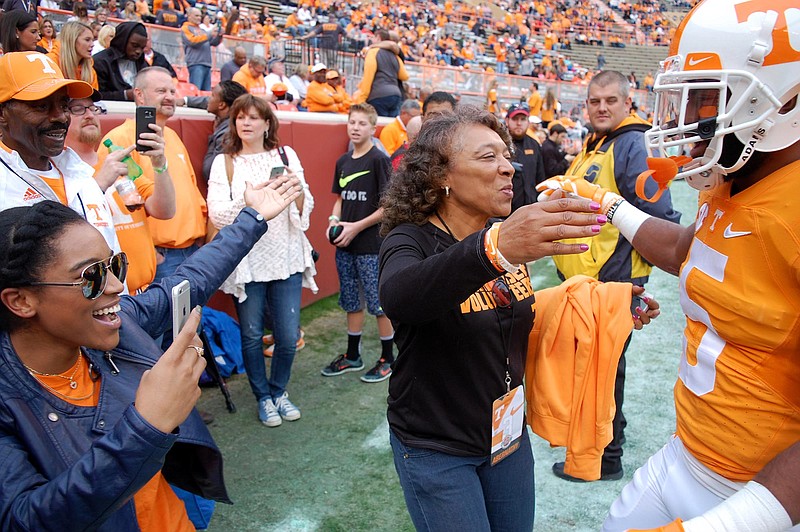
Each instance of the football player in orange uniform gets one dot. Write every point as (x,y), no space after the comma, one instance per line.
(727,98)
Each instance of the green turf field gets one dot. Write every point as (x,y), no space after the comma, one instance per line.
(332,470)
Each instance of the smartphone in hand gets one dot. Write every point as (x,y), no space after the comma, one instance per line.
(181,306)
(145,116)
(276,171)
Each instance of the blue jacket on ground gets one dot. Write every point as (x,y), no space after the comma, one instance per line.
(65,467)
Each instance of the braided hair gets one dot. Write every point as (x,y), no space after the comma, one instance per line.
(28,238)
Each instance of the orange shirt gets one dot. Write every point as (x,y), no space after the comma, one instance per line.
(157,506)
(189,222)
(57,185)
(393,135)
(321,98)
(51,45)
(535,103)
(133,233)
(253,84)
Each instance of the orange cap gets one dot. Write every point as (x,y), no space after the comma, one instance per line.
(279,89)
(32,76)
(331,74)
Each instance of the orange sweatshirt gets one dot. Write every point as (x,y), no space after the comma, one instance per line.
(573,352)
(322,98)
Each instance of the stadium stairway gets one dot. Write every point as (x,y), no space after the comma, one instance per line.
(632,58)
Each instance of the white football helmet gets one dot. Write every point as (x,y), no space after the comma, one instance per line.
(733,67)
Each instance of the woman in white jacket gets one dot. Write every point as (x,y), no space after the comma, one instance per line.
(270,278)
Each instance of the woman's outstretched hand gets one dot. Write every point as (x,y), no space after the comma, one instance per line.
(533,231)
(271,197)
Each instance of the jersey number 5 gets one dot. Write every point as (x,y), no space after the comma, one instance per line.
(700,377)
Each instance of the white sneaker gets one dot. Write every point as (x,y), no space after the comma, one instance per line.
(268,414)
(286,409)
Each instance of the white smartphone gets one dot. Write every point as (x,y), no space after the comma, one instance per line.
(276,171)
(181,306)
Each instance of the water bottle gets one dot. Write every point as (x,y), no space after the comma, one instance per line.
(125,186)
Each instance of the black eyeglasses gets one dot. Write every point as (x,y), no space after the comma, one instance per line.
(79,109)
(94,277)
(501,293)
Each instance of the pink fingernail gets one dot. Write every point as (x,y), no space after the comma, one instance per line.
(601,219)
(584,247)
(594,206)
(595,229)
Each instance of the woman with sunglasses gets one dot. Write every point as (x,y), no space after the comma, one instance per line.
(460,298)
(90,408)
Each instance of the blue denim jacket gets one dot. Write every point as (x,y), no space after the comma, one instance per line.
(64,467)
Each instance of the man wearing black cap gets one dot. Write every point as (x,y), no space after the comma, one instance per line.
(528,161)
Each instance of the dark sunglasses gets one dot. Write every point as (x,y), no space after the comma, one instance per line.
(501,293)
(94,277)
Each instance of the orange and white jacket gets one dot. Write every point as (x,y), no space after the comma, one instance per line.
(580,328)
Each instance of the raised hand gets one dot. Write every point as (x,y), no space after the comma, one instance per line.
(533,231)
(156,142)
(271,197)
(168,391)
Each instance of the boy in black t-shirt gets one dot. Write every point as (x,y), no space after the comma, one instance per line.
(360,178)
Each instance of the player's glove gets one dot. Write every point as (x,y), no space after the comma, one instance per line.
(577,186)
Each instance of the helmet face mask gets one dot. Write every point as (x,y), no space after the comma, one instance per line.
(721,79)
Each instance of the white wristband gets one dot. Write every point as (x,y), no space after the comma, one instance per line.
(628,218)
(751,509)
(507,266)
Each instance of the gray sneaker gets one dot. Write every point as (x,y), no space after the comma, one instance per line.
(268,414)
(286,409)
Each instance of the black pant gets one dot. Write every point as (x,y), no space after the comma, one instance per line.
(612,455)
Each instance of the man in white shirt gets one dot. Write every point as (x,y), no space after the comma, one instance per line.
(277,74)
(34,119)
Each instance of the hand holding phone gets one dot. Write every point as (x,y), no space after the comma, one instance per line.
(181,306)
(145,116)
(276,171)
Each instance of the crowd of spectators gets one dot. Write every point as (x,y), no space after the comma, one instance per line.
(531,39)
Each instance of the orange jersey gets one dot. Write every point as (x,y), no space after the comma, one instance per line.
(738,394)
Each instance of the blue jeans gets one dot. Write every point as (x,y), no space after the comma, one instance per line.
(448,492)
(387,106)
(173,257)
(281,299)
(200,76)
